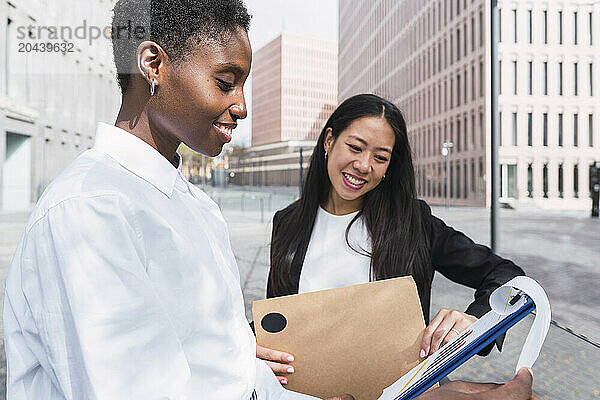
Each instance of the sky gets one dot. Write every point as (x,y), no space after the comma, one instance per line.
(314,18)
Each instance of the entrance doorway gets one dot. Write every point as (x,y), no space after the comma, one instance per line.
(16,173)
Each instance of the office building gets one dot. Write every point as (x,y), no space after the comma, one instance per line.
(54,87)
(294,91)
(431,58)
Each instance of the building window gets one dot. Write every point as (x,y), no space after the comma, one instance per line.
(481,29)
(514,129)
(500,128)
(481,79)
(576,181)
(466,133)
(458,136)
(458,86)
(465,180)
(545,180)
(545,26)
(473,130)
(472,82)
(575,28)
(458,44)
(500,25)
(514,77)
(508,182)
(560,129)
(560,78)
(481,179)
(514,13)
(500,77)
(530,27)
(529,180)
(529,129)
(451,93)
(560,27)
(472,34)
(481,131)
(590,181)
(591,130)
(451,48)
(472,194)
(465,44)
(575,79)
(452,179)
(545,129)
(591,31)
(457,180)
(545,78)
(575,130)
(560,181)
(530,77)
(591,69)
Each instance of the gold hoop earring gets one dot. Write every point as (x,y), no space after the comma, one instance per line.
(326,155)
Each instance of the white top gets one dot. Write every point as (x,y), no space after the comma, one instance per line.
(329,261)
(124,286)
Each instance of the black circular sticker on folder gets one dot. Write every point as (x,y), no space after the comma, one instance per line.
(273,322)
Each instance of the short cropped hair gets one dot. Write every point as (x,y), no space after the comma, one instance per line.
(175,25)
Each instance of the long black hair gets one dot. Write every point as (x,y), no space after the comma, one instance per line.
(391,211)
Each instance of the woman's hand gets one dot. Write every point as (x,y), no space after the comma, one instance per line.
(278,361)
(446,325)
(519,388)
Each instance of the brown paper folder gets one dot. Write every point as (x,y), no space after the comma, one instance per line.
(355,339)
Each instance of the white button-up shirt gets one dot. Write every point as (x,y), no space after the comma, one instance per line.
(124,286)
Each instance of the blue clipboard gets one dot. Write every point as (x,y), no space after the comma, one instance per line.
(469,351)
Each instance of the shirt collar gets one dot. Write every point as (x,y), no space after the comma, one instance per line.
(137,156)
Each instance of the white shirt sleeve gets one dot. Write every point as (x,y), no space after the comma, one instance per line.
(268,387)
(83,318)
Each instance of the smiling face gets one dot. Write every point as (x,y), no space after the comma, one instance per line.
(200,99)
(357,161)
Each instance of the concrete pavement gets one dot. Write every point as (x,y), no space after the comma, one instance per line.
(560,250)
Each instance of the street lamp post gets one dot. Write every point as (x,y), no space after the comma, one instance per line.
(494,139)
(446,146)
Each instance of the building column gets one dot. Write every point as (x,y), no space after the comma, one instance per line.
(538,179)
(552,179)
(568,191)
(584,178)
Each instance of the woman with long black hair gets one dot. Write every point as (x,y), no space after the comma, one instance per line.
(358,220)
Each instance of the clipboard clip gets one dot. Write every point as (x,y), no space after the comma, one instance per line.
(517,296)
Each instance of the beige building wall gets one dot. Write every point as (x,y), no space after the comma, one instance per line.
(266,94)
(294,88)
(430,58)
(548,101)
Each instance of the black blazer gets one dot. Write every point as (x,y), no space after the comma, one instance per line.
(452,253)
